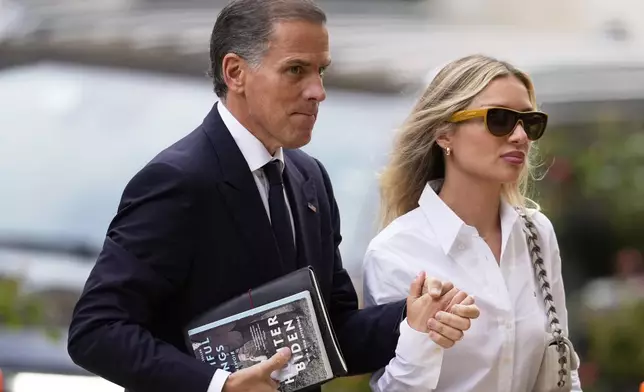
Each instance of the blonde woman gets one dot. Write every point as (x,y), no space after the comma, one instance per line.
(459,170)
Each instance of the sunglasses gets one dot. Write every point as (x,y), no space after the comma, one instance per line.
(503,121)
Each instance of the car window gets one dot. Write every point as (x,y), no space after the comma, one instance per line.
(71,137)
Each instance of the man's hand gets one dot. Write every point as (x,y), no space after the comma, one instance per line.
(435,288)
(439,309)
(257,378)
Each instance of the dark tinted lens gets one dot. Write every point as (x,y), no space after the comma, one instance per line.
(501,122)
(534,124)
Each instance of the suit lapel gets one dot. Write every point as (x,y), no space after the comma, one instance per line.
(242,196)
(304,207)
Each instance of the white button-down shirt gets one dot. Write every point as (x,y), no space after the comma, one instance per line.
(256,155)
(503,349)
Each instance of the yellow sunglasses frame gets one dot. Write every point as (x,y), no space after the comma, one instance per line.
(465,115)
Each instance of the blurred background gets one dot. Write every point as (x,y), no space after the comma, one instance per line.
(90,90)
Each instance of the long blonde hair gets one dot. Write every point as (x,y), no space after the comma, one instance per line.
(417,158)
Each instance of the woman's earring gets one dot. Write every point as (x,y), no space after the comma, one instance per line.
(448,151)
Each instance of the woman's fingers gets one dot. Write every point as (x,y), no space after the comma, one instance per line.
(458,298)
(452,320)
(469,300)
(440,339)
(445,330)
(468,311)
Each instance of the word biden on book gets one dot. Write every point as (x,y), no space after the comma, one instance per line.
(292,339)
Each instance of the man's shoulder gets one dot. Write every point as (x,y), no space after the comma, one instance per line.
(186,155)
(305,163)
(183,162)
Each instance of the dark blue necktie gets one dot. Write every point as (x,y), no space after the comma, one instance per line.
(280,218)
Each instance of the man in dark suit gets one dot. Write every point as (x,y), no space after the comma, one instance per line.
(231,206)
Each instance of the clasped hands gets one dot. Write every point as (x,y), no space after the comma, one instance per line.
(433,307)
(439,309)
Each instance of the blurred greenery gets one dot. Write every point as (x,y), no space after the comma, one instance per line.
(348,384)
(617,342)
(23,310)
(593,192)
(17,310)
(600,163)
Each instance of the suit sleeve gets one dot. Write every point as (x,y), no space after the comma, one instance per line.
(367,337)
(144,262)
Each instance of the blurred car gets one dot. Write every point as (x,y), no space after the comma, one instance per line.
(71,137)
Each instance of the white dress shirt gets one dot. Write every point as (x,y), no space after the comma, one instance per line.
(256,156)
(503,349)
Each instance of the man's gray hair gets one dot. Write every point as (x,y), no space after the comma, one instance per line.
(244,27)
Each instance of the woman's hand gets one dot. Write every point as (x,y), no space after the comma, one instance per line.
(439,309)
(448,327)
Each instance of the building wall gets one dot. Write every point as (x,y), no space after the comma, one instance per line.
(592,16)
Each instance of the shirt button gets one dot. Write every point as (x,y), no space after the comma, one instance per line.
(461,247)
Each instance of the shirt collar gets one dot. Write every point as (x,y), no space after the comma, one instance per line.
(252,149)
(447,225)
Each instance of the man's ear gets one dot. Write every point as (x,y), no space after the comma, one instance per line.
(234,69)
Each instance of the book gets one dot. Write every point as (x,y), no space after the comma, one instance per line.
(254,336)
(286,312)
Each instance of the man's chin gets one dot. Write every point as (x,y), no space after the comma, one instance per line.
(303,138)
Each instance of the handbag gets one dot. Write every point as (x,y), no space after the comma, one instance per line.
(559,357)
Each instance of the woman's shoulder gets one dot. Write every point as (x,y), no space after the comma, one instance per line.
(540,220)
(403,232)
(395,256)
(398,228)
(545,228)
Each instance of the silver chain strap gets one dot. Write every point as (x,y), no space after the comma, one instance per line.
(540,272)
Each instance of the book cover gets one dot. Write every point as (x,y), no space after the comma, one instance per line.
(253,336)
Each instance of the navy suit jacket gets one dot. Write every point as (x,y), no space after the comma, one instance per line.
(191,232)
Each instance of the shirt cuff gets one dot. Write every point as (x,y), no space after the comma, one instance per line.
(416,367)
(218,380)
(418,349)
